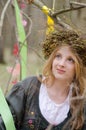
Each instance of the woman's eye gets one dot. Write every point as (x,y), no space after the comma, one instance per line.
(58,56)
(71,60)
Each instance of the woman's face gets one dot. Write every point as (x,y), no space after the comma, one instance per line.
(63,66)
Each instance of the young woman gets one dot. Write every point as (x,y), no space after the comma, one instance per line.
(56,99)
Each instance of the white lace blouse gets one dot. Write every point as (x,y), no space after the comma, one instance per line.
(52,112)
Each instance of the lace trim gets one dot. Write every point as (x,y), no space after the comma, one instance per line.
(52,112)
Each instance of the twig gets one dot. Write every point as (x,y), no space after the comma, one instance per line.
(2,16)
(78,3)
(81,5)
(34,50)
(64,25)
(7,86)
(30,27)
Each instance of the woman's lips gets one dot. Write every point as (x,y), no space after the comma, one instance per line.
(60,71)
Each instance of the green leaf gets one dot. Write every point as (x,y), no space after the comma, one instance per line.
(22,41)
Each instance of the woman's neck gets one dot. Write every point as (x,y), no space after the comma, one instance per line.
(58,91)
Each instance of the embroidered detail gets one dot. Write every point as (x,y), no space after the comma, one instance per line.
(32,126)
(31,123)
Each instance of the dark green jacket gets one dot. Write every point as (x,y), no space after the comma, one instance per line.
(23,101)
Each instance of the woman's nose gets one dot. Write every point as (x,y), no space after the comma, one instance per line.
(62,62)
